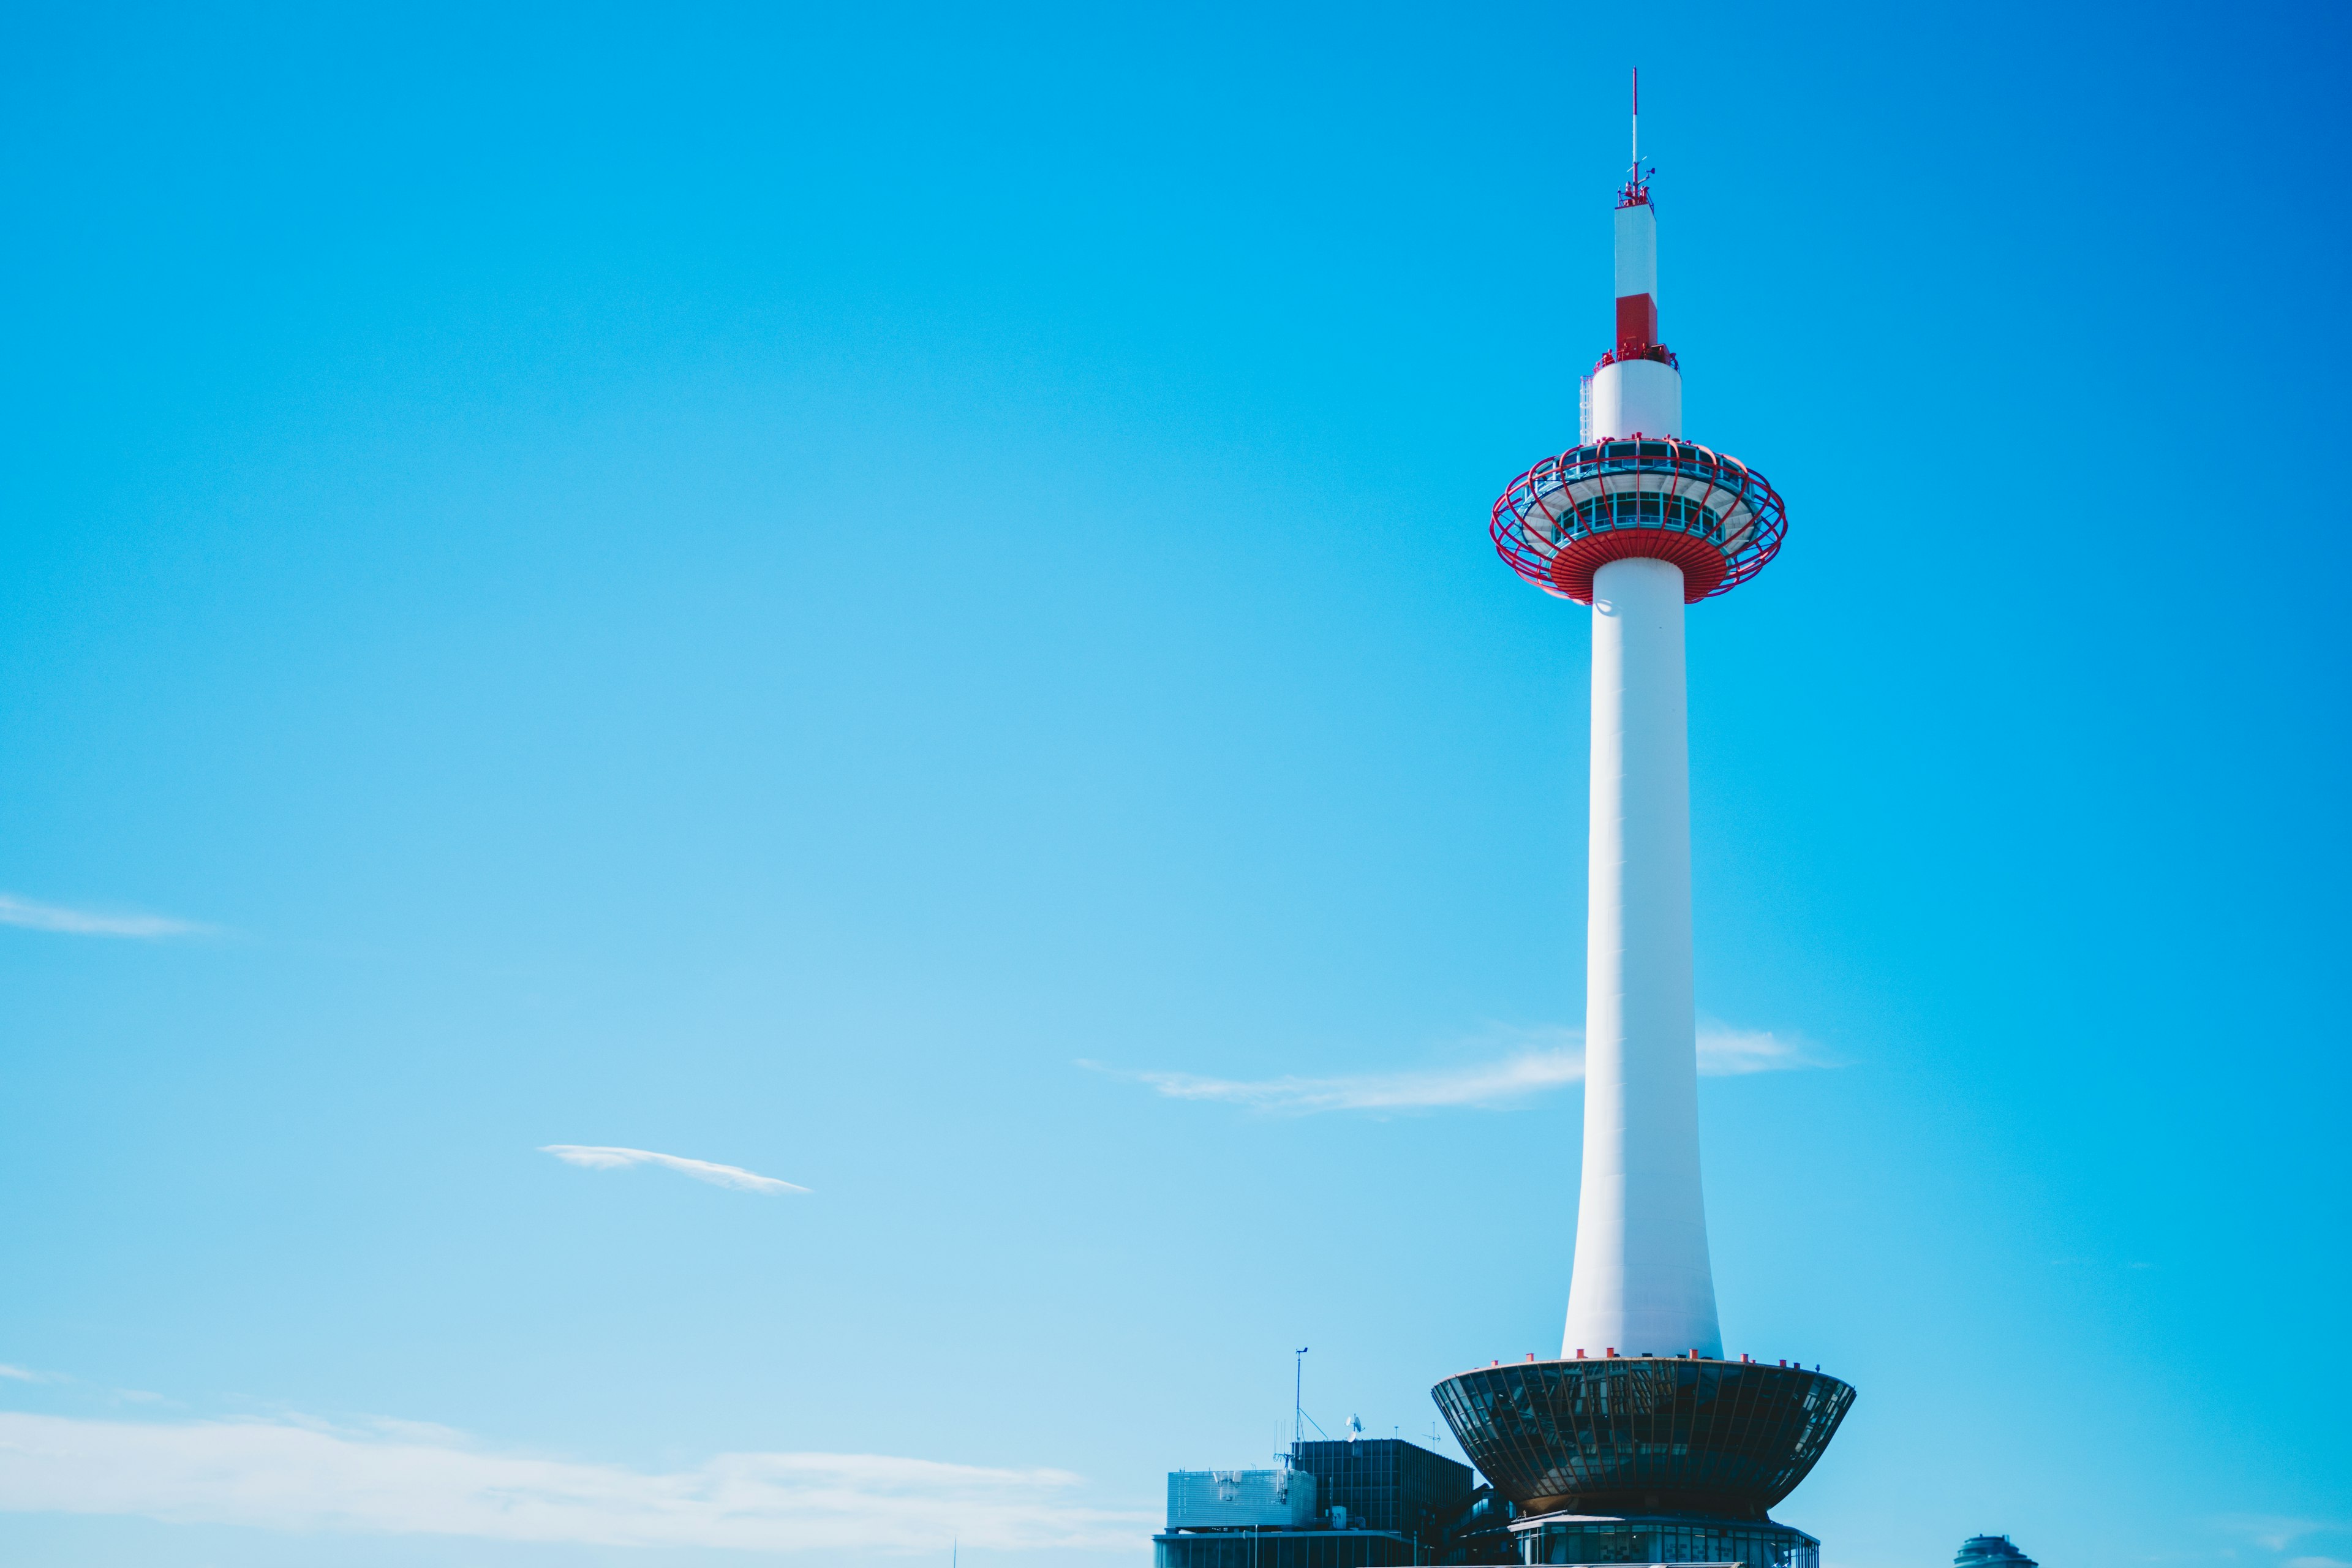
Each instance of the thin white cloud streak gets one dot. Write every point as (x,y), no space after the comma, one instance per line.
(596,1157)
(1547,1059)
(16,911)
(121,1395)
(2275,1531)
(1514,1076)
(1726,1052)
(408,1478)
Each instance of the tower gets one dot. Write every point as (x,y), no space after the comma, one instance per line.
(1636,522)
(1642,1428)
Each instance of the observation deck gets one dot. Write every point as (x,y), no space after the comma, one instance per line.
(1711,515)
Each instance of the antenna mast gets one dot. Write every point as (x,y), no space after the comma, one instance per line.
(1637,188)
(1298,1404)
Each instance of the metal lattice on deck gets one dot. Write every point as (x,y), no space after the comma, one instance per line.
(1711,515)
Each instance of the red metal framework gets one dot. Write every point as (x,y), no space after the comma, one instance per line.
(1566,518)
(1658,352)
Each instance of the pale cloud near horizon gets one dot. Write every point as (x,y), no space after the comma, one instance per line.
(416,1479)
(1533,1062)
(25,913)
(2278,1531)
(121,1395)
(596,1157)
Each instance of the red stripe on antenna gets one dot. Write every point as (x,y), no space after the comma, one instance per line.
(1637,324)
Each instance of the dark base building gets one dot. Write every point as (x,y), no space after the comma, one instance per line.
(1370,1503)
(1285,1548)
(1685,1479)
(1607,1460)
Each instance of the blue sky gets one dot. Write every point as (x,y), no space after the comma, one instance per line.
(897,601)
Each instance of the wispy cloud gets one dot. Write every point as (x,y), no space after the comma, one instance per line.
(1726,1052)
(118,1396)
(411,1479)
(1529,1068)
(2276,1531)
(16,911)
(597,1158)
(1532,1062)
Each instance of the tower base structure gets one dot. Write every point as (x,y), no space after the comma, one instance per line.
(1644,1435)
(1590,1538)
(1647,1458)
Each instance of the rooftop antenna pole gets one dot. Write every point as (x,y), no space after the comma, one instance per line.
(1637,125)
(1297,1397)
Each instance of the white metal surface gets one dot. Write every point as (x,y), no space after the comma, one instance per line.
(1637,396)
(1209,1499)
(1637,250)
(1641,1283)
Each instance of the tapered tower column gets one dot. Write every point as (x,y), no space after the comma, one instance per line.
(1641,1424)
(1636,520)
(1642,1284)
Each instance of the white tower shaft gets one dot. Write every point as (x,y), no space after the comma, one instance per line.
(1642,1284)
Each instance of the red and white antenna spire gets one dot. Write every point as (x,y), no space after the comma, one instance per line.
(1637,258)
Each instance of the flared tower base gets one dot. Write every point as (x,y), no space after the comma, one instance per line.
(1639,1435)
